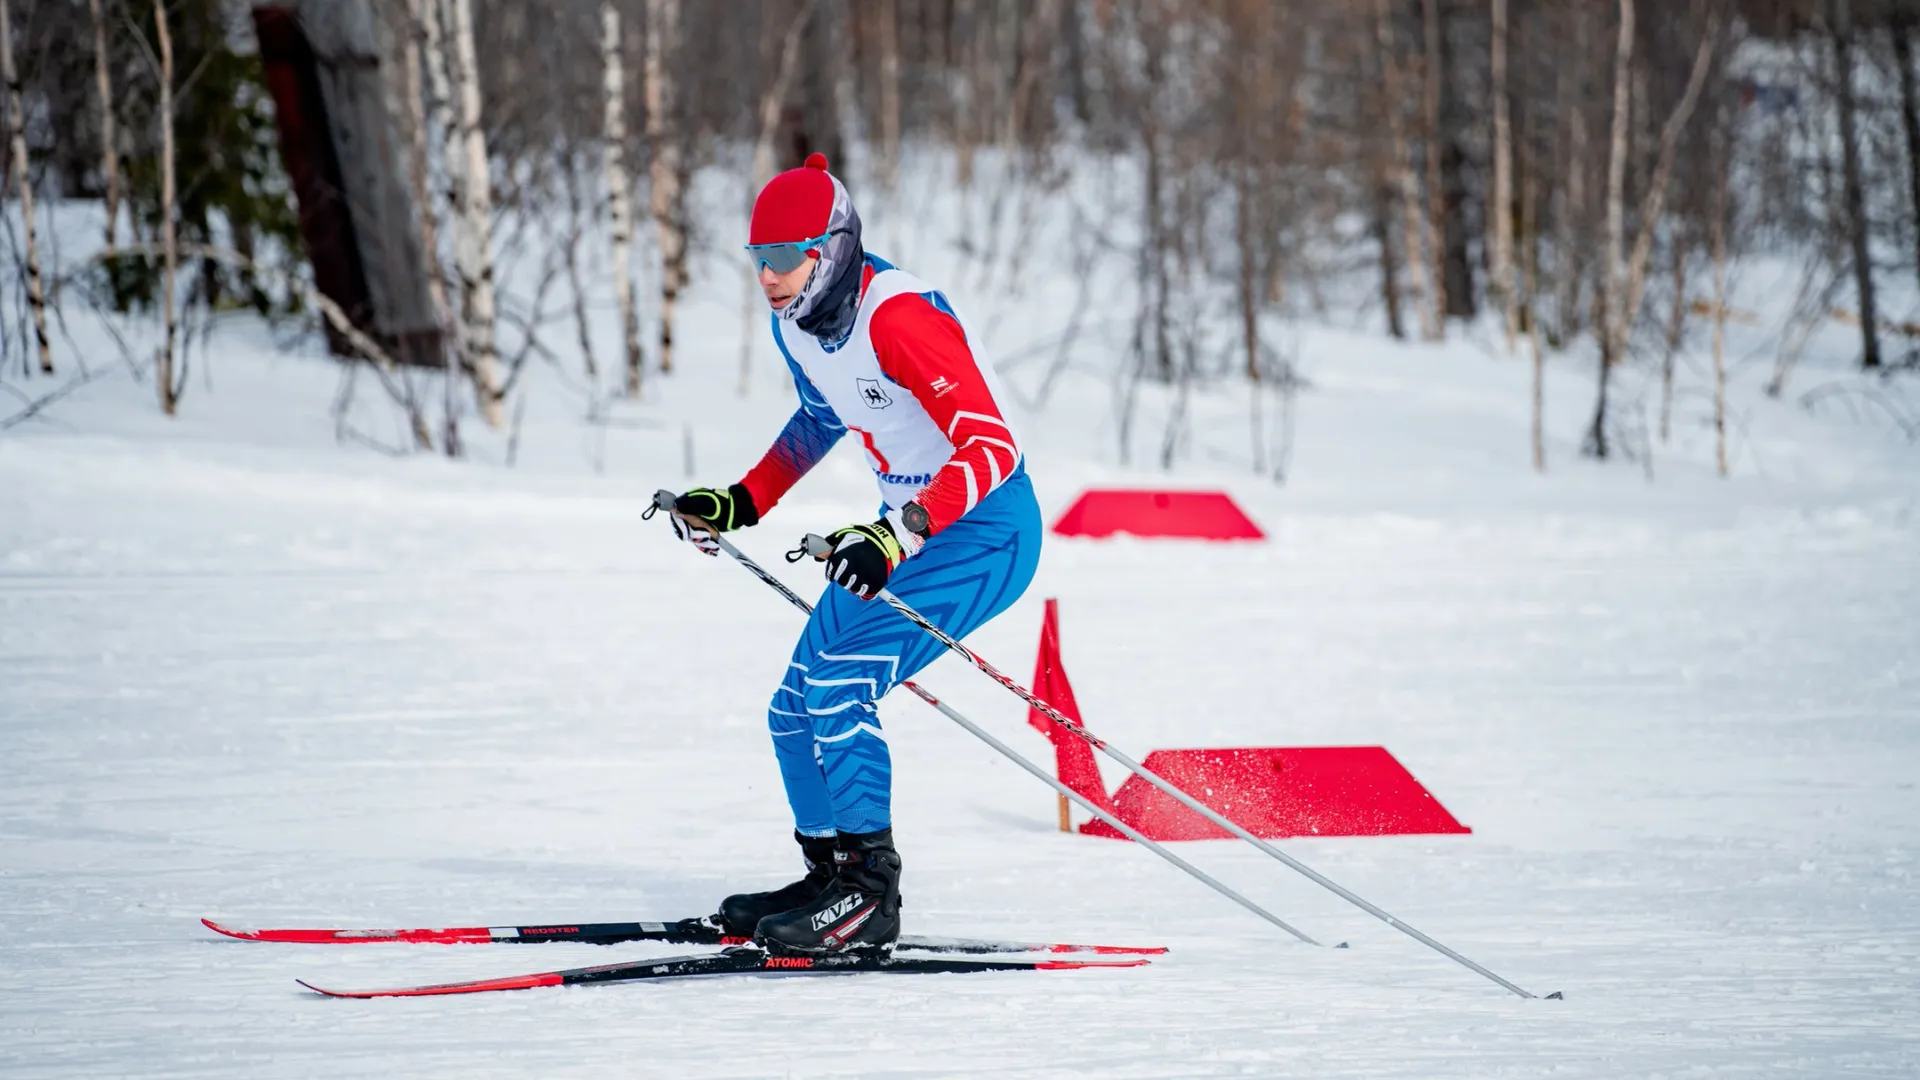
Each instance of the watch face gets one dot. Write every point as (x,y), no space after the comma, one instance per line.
(914,517)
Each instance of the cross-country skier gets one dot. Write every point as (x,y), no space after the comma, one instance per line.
(880,353)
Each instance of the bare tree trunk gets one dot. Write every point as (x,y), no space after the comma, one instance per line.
(1901,29)
(1569,264)
(1247,236)
(1529,225)
(170,255)
(1640,133)
(433,47)
(775,93)
(1041,21)
(771,98)
(1436,181)
(1612,304)
(476,268)
(1153,251)
(663,141)
(1623,302)
(619,193)
(411,39)
(1722,172)
(1401,172)
(1501,212)
(982,86)
(889,31)
(1389,261)
(1676,330)
(841,94)
(1855,196)
(109,129)
(23,179)
(1653,201)
(419,166)
(395,38)
(580,214)
(958,75)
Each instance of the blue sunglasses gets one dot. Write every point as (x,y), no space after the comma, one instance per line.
(785,258)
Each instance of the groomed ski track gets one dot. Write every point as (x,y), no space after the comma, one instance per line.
(248,671)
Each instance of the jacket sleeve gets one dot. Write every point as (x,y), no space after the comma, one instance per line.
(810,433)
(922,347)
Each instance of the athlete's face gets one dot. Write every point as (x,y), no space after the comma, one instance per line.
(782,288)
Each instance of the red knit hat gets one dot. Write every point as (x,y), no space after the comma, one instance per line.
(795,205)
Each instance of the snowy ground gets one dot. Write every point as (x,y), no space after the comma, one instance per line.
(250,674)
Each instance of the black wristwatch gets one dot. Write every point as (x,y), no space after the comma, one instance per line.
(914,517)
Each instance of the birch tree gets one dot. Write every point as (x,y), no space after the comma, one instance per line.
(475,236)
(109,128)
(419,161)
(439,111)
(1500,216)
(169,246)
(663,140)
(619,196)
(23,180)
(409,42)
(1625,285)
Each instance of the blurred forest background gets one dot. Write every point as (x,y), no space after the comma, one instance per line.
(1573,174)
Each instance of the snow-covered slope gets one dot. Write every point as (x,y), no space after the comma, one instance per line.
(248,672)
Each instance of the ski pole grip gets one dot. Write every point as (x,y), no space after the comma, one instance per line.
(817,546)
(664,500)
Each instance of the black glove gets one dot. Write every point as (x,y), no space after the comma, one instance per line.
(864,556)
(724,511)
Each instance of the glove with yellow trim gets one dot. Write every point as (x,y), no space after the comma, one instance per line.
(864,556)
(724,511)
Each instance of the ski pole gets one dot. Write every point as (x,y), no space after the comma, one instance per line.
(664,500)
(819,548)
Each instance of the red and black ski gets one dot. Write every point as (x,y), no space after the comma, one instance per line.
(734,961)
(696,931)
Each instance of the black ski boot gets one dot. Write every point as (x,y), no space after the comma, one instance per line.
(858,912)
(742,912)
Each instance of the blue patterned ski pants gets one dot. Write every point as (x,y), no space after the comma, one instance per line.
(826,731)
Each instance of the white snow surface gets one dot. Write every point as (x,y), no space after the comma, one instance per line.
(249,673)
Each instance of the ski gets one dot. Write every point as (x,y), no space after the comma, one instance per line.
(735,961)
(695,931)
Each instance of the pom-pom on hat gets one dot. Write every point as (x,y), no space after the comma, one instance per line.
(797,204)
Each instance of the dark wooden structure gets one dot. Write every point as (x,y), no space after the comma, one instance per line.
(338,143)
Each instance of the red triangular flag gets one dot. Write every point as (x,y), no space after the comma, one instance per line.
(1073,758)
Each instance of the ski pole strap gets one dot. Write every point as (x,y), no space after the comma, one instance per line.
(812,546)
(662,500)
